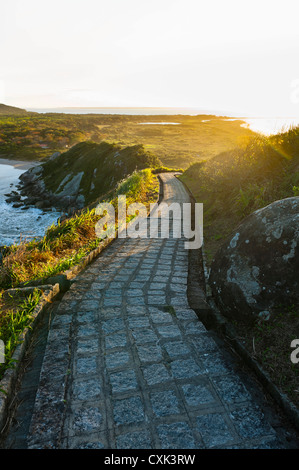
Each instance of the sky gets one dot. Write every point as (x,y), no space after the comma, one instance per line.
(236,56)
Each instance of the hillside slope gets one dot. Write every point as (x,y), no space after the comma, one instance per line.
(83,174)
(234,184)
(11,110)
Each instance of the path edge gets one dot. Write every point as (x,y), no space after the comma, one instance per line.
(11,375)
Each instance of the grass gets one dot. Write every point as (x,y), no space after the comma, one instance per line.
(101,166)
(269,343)
(37,136)
(15,317)
(234,184)
(67,242)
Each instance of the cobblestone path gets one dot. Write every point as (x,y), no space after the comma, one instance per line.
(128,365)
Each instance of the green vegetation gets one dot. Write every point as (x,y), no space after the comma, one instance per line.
(11,110)
(102,167)
(34,136)
(66,243)
(233,184)
(269,343)
(15,316)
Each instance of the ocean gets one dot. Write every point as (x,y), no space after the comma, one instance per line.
(17,224)
(264,125)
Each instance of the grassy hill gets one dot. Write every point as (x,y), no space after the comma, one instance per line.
(87,172)
(11,110)
(233,184)
(177,141)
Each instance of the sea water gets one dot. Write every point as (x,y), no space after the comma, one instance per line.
(17,224)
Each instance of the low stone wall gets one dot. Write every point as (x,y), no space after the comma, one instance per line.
(8,382)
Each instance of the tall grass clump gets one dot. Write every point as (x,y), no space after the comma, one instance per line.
(67,242)
(14,319)
(235,183)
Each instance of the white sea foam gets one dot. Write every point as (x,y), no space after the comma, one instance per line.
(17,224)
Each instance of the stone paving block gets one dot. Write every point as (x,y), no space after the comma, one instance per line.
(67,307)
(112,325)
(159,316)
(156,299)
(214,430)
(169,331)
(157,285)
(58,334)
(177,348)
(156,374)
(87,317)
(134,440)
(134,292)
(185,314)
(179,280)
(86,365)
(87,346)
(179,302)
(231,389)
(51,392)
(135,301)
(86,419)
(215,363)
(86,390)
(116,285)
(185,368)
(138,322)
(123,381)
(89,305)
(116,340)
(90,441)
(98,286)
(112,293)
(197,395)
(149,353)
(156,292)
(106,313)
(93,295)
(164,403)
(88,330)
(203,342)
(180,288)
(195,328)
(176,436)
(112,301)
(128,411)
(62,320)
(57,352)
(159,278)
(117,359)
(144,336)
(250,422)
(135,310)
(137,285)
(45,426)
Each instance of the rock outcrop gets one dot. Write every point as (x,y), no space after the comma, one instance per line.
(257,269)
(78,177)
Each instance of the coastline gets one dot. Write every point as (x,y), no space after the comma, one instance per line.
(20,164)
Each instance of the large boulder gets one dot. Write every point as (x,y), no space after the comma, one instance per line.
(258,268)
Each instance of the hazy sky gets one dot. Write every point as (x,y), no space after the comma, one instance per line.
(232,55)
